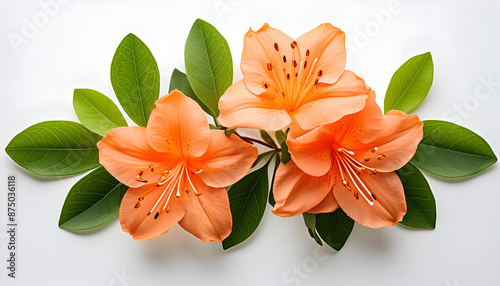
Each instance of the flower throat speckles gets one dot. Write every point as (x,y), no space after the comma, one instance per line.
(174,179)
(291,80)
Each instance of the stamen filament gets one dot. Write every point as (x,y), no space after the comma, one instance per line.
(340,168)
(161,197)
(172,178)
(192,186)
(351,173)
(145,193)
(359,166)
(168,199)
(178,194)
(347,162)
(306,85)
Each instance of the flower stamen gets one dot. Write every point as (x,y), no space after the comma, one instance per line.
(173,178)
(358,165)
(196,192)
(139,178)
(346,162)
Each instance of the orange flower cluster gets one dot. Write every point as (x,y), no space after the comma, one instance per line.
(344,150)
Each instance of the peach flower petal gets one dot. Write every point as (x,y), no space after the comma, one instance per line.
(312,152)
(359,127)
(327,110)
(388,208)
(260,48)
(327,44)
(208,216)
(296,192)
(226,161)
(138,223)
(241,108)
(329,103)
(349,84)
(395,145)
(178,126)
(327,205)
(125,152)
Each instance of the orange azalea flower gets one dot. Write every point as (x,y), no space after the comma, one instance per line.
(350,163)
(177,170)
(301,81)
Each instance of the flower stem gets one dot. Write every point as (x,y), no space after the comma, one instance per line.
(253,140)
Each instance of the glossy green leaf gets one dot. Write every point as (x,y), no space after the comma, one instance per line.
(209,66)
(55,148)
(248,198)
(452,151)
(420,203)
(285,155)
(310,221)
(135,78)
(92,201)
(410,84)
(334,228)
(180,81)
(277,162)
(96,111)
(280,136)
(267,138)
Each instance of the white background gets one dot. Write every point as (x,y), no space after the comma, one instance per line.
(71,46)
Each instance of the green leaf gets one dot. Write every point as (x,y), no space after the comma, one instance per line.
(55,148)
(280,136)
(135,78)
(334,228)
(285,155)
(213,127)
(96,111)
(421,206)
(92,201)
(248,198)
(209,66)
(310,221)
(228,132)
(180,81)
(410,84)
(277,162)
(452,151)
(267,138)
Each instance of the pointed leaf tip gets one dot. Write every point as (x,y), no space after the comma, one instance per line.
(209,65)
(248,199)
(452,151)
(334,228)
(135,78)
(410,84)
(97,112)
(55,148)
(93,201)
(421,205)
